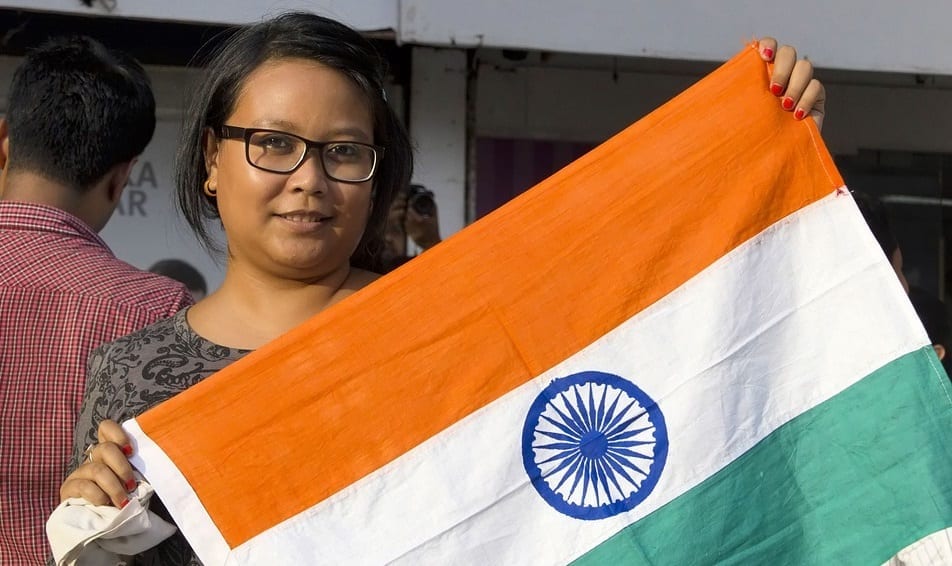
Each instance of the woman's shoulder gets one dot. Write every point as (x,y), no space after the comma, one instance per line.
(145,338)
(155,363)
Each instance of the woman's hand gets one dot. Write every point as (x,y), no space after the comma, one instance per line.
(792,81)
(105,476)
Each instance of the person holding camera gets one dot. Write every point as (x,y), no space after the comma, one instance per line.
(413,216)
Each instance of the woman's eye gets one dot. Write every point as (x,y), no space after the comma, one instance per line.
(343,150)
(275,143)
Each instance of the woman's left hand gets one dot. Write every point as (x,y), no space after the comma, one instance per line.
(792,81)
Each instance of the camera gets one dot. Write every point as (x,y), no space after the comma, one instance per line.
(421,200)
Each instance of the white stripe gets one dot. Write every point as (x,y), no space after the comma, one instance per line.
(177,495)
(779,325)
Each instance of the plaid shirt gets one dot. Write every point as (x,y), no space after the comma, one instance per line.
(62,294)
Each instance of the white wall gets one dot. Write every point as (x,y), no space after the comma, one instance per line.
(147,227)
(365,14)
(438,130)
(882,35)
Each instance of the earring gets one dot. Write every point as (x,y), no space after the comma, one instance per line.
(209,190)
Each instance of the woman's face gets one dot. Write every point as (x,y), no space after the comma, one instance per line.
(300,225)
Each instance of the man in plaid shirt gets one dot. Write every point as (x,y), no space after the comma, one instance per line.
(77,118)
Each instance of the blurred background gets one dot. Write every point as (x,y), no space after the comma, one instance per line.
(497,95)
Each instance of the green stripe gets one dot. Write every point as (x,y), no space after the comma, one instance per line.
(851,481)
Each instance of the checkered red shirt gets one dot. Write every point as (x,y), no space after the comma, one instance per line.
(62,294)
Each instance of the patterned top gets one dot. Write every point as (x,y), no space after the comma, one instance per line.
(136,372)
(62,293)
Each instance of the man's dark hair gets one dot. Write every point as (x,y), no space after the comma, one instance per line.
(293,35)
(182,272)
(77,109)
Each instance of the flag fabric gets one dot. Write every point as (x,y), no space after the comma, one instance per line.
(684,348)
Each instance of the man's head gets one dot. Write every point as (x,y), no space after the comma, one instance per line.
(184,273)
(78,114)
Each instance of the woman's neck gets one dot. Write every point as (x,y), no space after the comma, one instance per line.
(251,309)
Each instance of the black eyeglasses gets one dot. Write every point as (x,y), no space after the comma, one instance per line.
(281,152)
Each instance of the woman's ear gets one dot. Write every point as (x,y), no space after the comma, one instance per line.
(210,151)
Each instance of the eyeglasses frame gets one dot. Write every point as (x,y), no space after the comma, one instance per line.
(239,133)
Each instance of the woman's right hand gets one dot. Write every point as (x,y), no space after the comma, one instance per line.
(105,476)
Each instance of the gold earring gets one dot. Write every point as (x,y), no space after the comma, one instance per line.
(209,190)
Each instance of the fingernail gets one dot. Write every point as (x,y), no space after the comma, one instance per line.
(768,53)
(776,89)
(787,103)
(127,449)
(130,484)
(124,503)
(799,114)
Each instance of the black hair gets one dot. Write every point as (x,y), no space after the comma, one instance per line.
(182,272)
(292,35)
(877,218)
(77,109)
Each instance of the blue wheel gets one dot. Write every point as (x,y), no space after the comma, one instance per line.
(594,445)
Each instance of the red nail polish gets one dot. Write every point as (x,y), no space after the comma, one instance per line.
(131,484)
(127,449)
(768,53)
(776,89)
(124,503)
(787,103)
(799,114)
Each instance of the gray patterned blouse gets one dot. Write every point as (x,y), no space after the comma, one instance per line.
(136,372)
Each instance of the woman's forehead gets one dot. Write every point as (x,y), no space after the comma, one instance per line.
(300,93)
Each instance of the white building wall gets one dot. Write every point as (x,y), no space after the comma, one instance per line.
(364,15)
(874,35)
(438,130)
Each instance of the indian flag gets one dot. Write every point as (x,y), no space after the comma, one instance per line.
(684,348)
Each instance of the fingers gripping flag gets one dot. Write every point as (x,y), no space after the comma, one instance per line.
(685,347)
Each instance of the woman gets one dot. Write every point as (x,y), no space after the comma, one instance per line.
(291,144)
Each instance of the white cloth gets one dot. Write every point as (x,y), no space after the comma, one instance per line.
(84,534)
(935,549)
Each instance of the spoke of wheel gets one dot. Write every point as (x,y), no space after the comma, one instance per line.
(559,456)
(610,415)
(556,446)
(581,408)
(615,465)
(573,467)
(625,463)
(578,477)
(590,408)
(558,436)
(604,481)
(620,427)
(569,421)
(600,415)
(579,421)
(629,443)
(611,475)
(630,453)
(620,416)
(564,428)
(628,433)
(585,473)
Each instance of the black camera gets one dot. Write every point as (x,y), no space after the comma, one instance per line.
(421,200)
